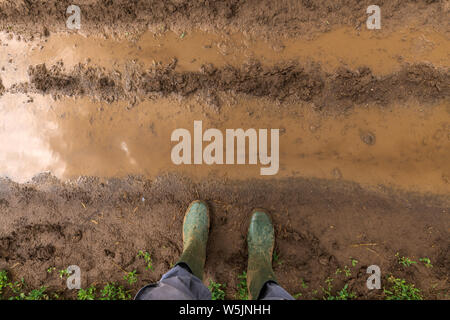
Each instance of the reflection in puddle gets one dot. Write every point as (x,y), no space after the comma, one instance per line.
(341,47)
(407,147)
(14,60)
(24,138)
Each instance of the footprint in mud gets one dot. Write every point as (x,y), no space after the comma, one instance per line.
(36,242)
(307,247)
(302,256)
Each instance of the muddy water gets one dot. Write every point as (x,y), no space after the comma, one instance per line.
(24,132)
(14,60)
(406,146)
(341,47)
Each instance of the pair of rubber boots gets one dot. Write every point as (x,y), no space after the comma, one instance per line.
(260,241)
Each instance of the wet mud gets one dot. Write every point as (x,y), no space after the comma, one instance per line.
(86,118)
(285,81)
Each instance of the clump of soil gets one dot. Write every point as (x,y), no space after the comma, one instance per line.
(83,80)
(2,88)
(285,81)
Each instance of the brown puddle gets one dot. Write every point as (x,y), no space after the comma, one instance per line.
(24,131)
(403,146)
(341,47)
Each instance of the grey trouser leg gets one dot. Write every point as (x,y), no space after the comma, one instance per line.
(180,284)
(272,291)
(177,284)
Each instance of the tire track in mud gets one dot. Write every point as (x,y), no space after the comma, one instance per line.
(255,16)
(284,82)
(94,222)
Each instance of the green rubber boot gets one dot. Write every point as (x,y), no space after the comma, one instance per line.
(195,237)
(260,241)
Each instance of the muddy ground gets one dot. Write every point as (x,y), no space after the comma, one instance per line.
(100,225)
(280,83)
(288,17)
(364,120)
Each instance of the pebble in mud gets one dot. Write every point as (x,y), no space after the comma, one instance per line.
(46,32)
(368,137)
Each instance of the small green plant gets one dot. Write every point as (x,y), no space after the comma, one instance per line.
(405,261)
(276,258)
(303,283)
(17,289)
(427,262)
(242,293)
(87,294)
(354,262)
(401,290)
(3,281)
(113,291)
(346,271)
(36,294)
(63,273)
(304,286)
(51,269)
(147,258)
(297,295)
(216,290)
(342,294)
(327,290)
(131,277)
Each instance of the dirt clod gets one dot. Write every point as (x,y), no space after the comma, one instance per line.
(288,81)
